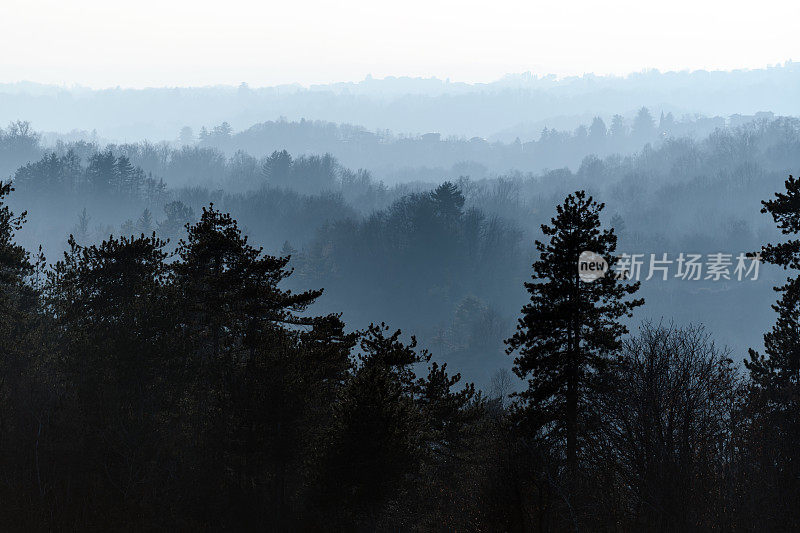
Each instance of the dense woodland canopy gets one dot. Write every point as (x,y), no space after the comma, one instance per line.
(208,339)
(345,228)
(400,157)
(146,386)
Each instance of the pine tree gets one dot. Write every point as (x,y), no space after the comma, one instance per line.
(263,374)
(618,128)
(776,373)
(780,370)
(14,260)
(231,287)
(375,445)
(448,200)
(101,172)
(389,426)
(277,169)
(24,380)
(81,230)
(116,328)
(222,132)
(15,266)
(643,125)
(598,130)
(144,225)
(126,177)
(568,332)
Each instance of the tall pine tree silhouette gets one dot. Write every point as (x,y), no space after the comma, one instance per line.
(781,368)
(569,330)
(776,374)
(264,372)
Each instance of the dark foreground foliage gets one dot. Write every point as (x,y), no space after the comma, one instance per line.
(145,389)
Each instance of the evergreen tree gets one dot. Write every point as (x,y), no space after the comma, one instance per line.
(569,331)
(154,190)
(126,177)
(597,131)
(81,230)
(222,132)
(389,426)
(14,260)
(101,172)
(277,169)
(376,444)
(128,228)
(776,373)
(144,224)
(618,128)
(618,223)
(116,327)
(15,266)
(644,127)
(263,374)
(26,385)
(232,287)
(448,200)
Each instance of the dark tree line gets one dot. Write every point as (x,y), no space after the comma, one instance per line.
(426,242)
(523,147)
(661,199)
(104,175)
(147,389)
(656,432)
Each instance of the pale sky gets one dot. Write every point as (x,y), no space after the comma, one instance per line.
(100,43)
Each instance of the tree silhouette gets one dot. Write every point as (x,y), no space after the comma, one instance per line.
(277,168)
(597,131)
(448,200)
(568,332)
(14,263)
(115,334)
(644,127)
(776,373)
(101,172)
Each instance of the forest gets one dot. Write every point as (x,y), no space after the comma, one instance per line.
(451,273)
(419,266)
(217,335)
(518,104)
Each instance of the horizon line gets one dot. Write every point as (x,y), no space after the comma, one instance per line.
(509,76)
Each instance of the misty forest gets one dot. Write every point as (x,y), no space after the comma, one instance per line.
(272,310)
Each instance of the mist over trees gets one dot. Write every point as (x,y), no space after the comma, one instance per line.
(406,105)
(302,325)
(189,389)
(346,229)
(203,157)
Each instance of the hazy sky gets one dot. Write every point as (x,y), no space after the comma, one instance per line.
(100,43)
